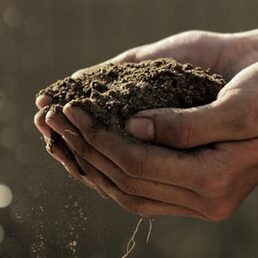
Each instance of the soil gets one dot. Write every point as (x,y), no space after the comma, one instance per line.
(112,93)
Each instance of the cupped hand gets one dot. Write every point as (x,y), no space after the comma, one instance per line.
(208,183)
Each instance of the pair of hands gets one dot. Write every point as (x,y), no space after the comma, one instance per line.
(170,177)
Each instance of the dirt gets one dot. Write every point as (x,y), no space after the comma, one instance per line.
(112,93)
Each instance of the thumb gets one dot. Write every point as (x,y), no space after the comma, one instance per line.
(186,128)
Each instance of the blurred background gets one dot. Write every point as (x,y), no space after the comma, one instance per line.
(43,212)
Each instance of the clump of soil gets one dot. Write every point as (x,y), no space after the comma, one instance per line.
(111,93)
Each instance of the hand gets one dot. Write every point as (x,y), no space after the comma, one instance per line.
(181,47)
(208,182)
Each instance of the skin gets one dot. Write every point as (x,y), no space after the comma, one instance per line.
(173,176)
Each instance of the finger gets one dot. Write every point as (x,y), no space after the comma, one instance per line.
(59,152)
(229,118)
(40,123)
(136,186)
(62,154)
(142,161)
(209,208)
(128,184)
(212,181)
(50,136)
(134,204)
(180,128)
(59,123)
(90,179)
(187,128)
(43,100)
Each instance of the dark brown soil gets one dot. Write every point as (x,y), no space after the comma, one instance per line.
(112,93)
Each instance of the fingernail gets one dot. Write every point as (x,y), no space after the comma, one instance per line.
(141,127)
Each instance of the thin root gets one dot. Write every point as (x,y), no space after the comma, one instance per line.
(131,243)
(150,229)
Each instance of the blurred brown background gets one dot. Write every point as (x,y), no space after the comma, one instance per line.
(44,213)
